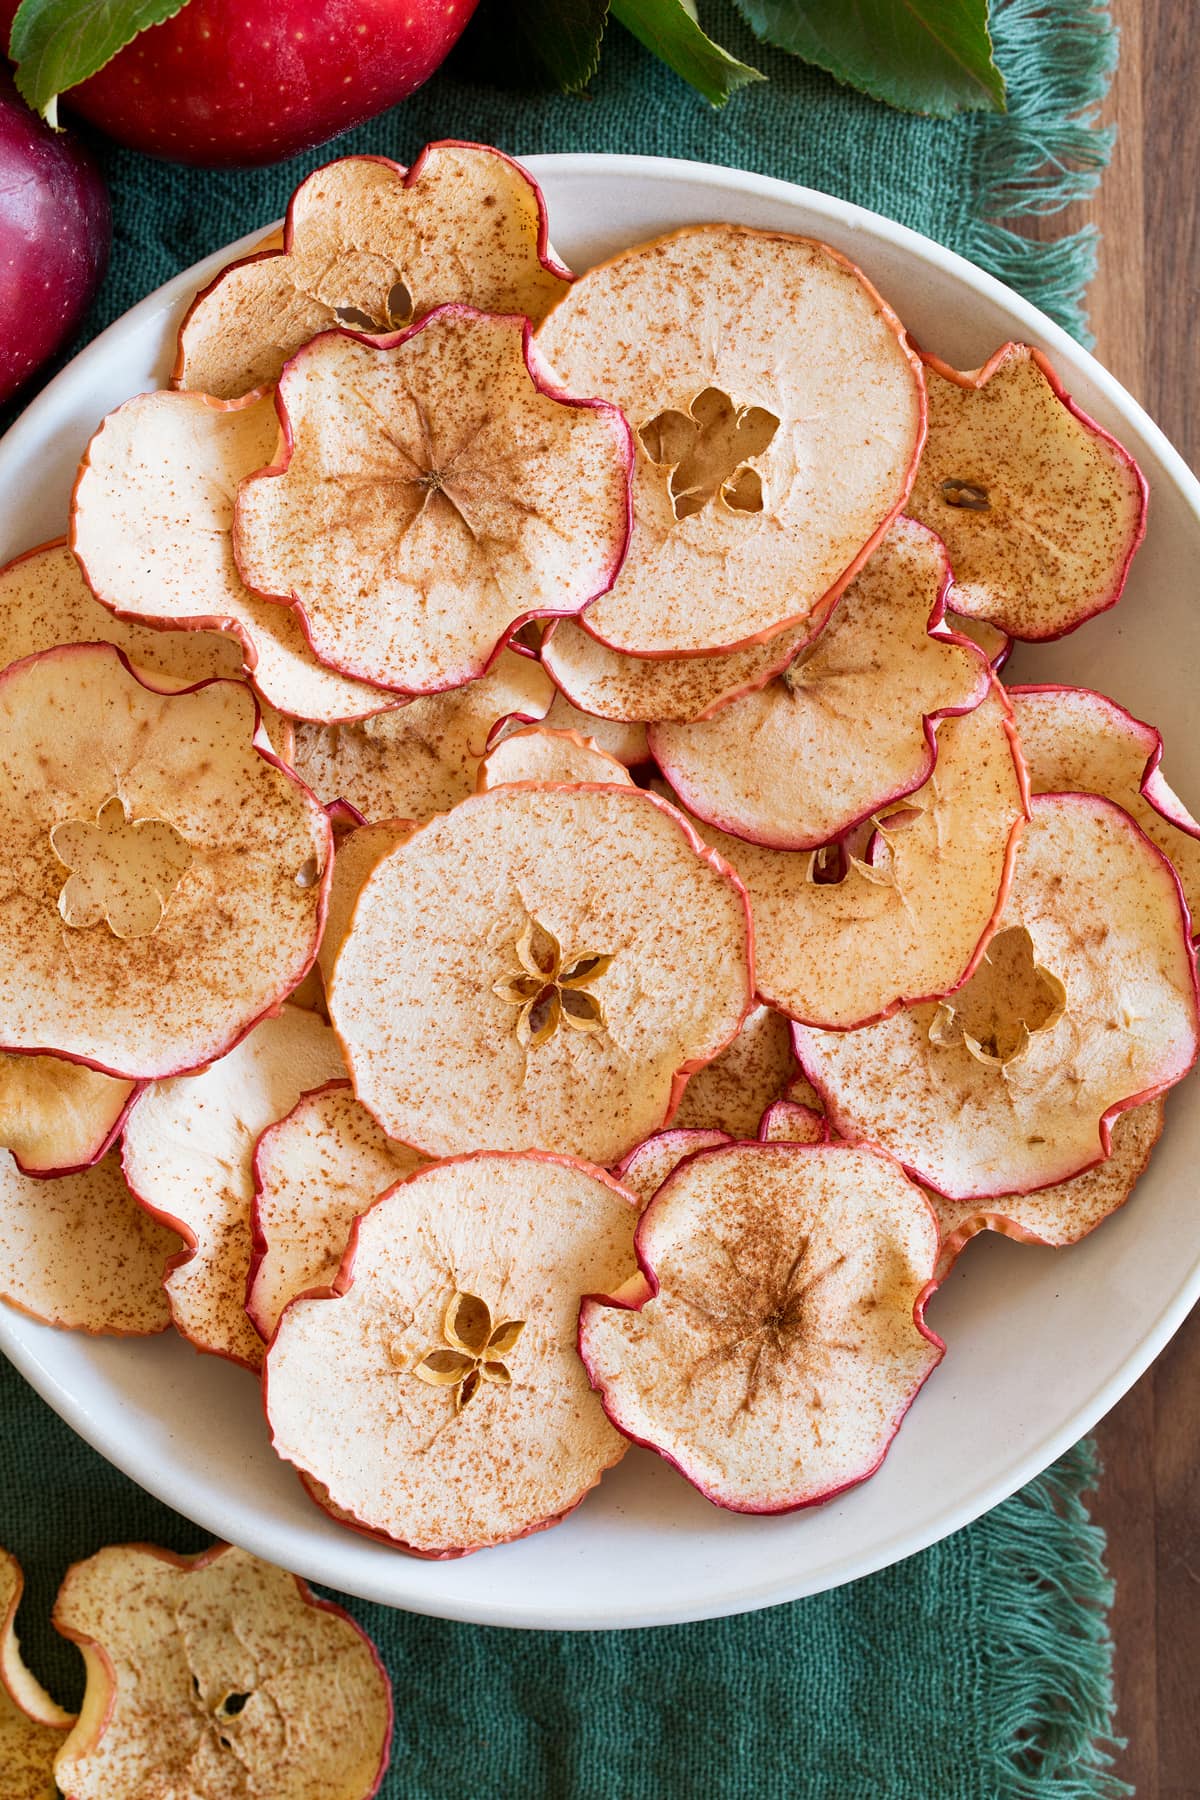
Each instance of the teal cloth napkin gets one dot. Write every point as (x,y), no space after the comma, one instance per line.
(980,1670)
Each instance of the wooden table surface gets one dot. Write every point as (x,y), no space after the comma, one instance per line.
(1144,308)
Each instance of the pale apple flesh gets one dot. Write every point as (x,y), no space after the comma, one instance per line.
(647,1166)
(151,528)
(452,1326)
(617,738)
(1067,1211)
(58,1117)
(732,1091)
(188,1156)
(1040,509)
(1074,740)
(430,491)
(540,754)
(1084,1006)
(315,1170)
(356,855)
(425,756)
(847,728)
(911,915)
(543,965)
(188,866)
(78,1252)
(778,411)
(786,1122)
(215,1674)
(778,1336)
(369,244)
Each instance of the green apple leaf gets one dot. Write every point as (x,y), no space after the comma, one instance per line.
(925,56)
(56,44)
(669,29)
(564,36)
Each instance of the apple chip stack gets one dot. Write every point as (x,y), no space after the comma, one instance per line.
(514,825)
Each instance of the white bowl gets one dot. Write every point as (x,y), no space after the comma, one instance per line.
(1040,1344)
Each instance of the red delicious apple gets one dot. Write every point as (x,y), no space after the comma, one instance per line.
(229,82)
(55,230)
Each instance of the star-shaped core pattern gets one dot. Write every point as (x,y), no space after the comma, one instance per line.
(123,870)
(552,989)
(475,1350)
(1009,997)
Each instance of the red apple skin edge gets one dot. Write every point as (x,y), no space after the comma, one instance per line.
(55,233)
(226,83)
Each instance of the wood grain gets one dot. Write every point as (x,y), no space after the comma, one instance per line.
(1144,305)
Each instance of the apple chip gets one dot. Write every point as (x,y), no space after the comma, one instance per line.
(626,741)
(539,754)
(189,1158)
(645,1169)
(847,727)
(778,411)
(59,1117)
(786,1123)
(1083,1006)
(801,1092)
(32,1727)
(731,1092)
(847,938)
(1040,509)
(675,689)
(162,876)
(77,1251)
(995,644)
(450,1334)
(356,856)
(217,1676)
(1077,741)
(314,1172)
(150,526)
(543,966)
(370,244)
(424,757)
(431,491)
(775,1338)
(1067,1211)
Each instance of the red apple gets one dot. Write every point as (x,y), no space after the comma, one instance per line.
(55,231)
(226,82)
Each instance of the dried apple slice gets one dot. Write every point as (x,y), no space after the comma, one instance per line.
(32,1726)
(539,754)
(424,757)
(776,1336)
(150,526)
(778,410)
(676,689)
(314,1171)
(1066,1212)
(217,1675)
(731,1092)
(801,1092)
(356,856)
(542,966)
(188,1156)
(647,1166)
(995,644)
(1084,1005)
(368,244)
(1077,741)
(44,602)
(911,916)
(786,1123)
(847,728)
(77,1251)
(59,1117)
(450,1331)
(626,741)
(1041,510)
(162,875)
(431,491)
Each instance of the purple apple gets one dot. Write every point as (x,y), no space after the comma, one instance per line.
(55,232)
